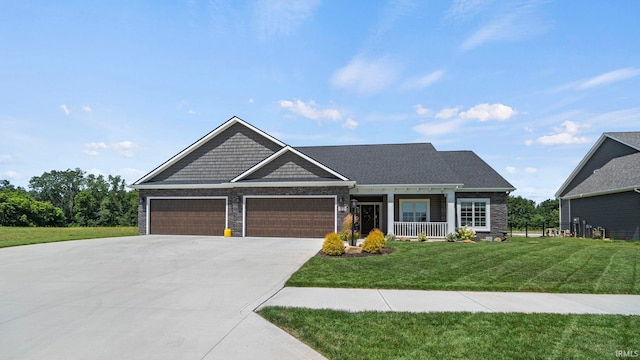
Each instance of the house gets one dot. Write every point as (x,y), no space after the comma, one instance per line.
(242,178)
(604,189)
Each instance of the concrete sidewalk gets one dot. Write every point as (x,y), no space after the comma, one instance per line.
(453,301)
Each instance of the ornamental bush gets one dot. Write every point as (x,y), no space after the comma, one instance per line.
(465,233)
(423,237)
(332,245)
(374,242)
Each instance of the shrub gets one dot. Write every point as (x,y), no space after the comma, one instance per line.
(332,245)
(374,242)
(423,237)
(390,237)
(451,237)
(465,233)
(345,234)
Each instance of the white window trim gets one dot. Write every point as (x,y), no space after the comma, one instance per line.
(488,212)
(427,201)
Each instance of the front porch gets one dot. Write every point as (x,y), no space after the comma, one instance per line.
(407,212)
(433,230)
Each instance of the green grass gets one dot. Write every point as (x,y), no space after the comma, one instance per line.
(14,236)
(557,265)
(379,335)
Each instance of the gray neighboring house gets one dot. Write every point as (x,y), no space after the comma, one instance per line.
(242,178)
(604,189)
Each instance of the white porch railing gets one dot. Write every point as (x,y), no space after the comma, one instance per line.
(412,229)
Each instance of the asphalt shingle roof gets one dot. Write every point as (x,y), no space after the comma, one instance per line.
(630,137)
(619,173)
(416,163)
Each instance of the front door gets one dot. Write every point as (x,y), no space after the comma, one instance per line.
(369,218)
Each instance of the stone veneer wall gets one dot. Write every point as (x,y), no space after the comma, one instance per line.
(498,212)
(235,200)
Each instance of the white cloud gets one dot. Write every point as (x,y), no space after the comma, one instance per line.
(421,110)
(610,77)
(365,76)
(530,170)
(124,148)
(435,129)
(528,142)
(250,100)
(511,169)
(282,16)
(191,112)
(423,81)
(515,22)
(461,9)
(5,158)
(485,112)
(9,175)
(447,113)
(86,108)
(566,134)
(310,110)
(350,124)
(65,109)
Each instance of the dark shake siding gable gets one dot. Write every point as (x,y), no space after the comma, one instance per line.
(220,159)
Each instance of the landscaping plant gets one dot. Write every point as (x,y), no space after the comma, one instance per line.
(333,245)
(374,242)
(465,233)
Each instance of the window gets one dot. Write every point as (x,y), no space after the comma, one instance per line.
(414,210)
(474,213)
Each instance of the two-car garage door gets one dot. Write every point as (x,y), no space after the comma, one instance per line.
(263,216)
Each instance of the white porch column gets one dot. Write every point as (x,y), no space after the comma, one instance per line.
(451,211)
(390,213)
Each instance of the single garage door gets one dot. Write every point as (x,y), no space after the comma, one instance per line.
(290,217)
(187,216)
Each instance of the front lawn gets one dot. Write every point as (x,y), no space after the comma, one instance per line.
(14,236)
(380,335)
(558,265)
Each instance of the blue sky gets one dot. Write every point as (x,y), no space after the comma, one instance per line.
(118,87)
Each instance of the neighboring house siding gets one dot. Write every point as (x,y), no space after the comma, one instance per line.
(565,214)
(228,154)
(498,211)
(608,150)
(618,214)
(291,167)
(235,200)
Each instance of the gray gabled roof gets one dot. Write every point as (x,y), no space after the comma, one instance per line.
(416,163)
(619,174)
(597,185)
(629,138)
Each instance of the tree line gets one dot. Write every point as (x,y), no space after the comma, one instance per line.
(69,198)
(524,212)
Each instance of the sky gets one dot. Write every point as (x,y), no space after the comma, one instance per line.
(119,87)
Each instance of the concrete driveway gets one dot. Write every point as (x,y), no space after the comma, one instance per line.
(147,297)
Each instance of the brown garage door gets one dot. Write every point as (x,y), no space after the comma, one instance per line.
(290,217)
(187,216)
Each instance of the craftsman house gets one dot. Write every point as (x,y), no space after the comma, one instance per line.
(242,178)
(604,189)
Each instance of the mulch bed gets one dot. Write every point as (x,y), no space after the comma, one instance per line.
(384,251)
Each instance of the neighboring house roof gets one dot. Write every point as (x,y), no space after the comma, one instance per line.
(605,169)
(222,158)
(630,138)
(619,174)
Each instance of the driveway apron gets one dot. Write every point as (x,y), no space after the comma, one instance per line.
(147,297)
